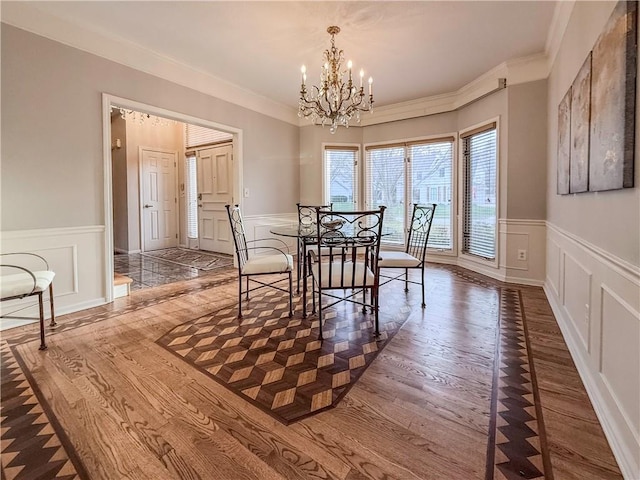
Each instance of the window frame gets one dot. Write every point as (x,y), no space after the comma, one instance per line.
(407,142)
(495,262)
(357,194)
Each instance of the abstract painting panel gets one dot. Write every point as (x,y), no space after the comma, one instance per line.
(613,96)
(580,116)
(564,143)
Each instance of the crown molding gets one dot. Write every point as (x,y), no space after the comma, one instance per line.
(516,71)
(559,22)
(24,16)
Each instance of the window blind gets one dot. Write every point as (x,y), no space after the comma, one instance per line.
(192,197)
(195,136)
(340,177)
(479,198)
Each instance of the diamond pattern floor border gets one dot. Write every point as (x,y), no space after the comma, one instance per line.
(33,444)
(517,444)
(276,362)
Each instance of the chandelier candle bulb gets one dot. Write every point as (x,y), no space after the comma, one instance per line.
(336,100)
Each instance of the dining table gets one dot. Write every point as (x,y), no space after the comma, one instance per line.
(306,235)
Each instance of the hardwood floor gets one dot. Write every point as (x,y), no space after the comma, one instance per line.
(454,395)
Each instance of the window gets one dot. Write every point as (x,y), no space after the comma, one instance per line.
(196,136)
(417,172)
(479,192)
(340,177)
(192,196)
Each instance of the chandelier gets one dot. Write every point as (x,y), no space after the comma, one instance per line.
(337,99)
(142,118)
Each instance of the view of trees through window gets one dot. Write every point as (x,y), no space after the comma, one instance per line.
(423,169)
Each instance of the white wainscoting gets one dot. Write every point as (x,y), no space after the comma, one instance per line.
(75,254)
(259,226)
(523,235)
(595,297)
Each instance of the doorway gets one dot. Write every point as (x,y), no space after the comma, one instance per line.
(158,199)
(159,186)
(214,191)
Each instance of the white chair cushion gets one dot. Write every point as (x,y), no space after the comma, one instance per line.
(22,283)
(314,248)
(268,264)
(397,259)
(336,274)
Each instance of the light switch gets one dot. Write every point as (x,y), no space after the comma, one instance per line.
(246,192)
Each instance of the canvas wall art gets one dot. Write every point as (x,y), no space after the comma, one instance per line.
(564,143)
(596,117)
(613,101)
(579,135)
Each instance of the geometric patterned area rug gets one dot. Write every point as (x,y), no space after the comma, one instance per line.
(191,258)
(276,362)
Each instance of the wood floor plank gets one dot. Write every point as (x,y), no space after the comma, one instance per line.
(130,409)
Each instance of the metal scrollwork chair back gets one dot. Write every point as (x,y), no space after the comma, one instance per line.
(350,246)
(415,250)
(272,260)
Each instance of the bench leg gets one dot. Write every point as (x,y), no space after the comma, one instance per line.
(53,317)
(43,346)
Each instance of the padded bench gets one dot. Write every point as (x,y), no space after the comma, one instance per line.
(20,282)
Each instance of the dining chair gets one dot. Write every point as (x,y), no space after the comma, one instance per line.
(274,260)
(19,280)
(415,249)
(306,220)
(349,243)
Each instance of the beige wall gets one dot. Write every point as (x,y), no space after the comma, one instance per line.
(593,260)
(609,220)
(119,182)
(311,139)
(146,135)
(489,108)
(52,165)
(527,151)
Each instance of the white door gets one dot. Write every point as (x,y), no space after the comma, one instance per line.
(158,196)
(215,190)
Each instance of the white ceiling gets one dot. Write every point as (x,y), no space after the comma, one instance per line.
(412,49)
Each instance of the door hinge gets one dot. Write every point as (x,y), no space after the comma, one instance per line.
(175,200)
(176,235)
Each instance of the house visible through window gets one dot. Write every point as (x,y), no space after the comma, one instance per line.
(341,177)
(479,196)
(425,169)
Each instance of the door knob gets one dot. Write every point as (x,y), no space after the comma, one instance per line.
(148,206)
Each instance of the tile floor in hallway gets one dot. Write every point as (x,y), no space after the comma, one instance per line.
(147,271)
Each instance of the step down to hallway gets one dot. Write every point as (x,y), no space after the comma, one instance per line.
(121,285)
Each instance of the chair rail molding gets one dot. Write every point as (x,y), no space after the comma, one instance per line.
(74,254)
(594,297)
